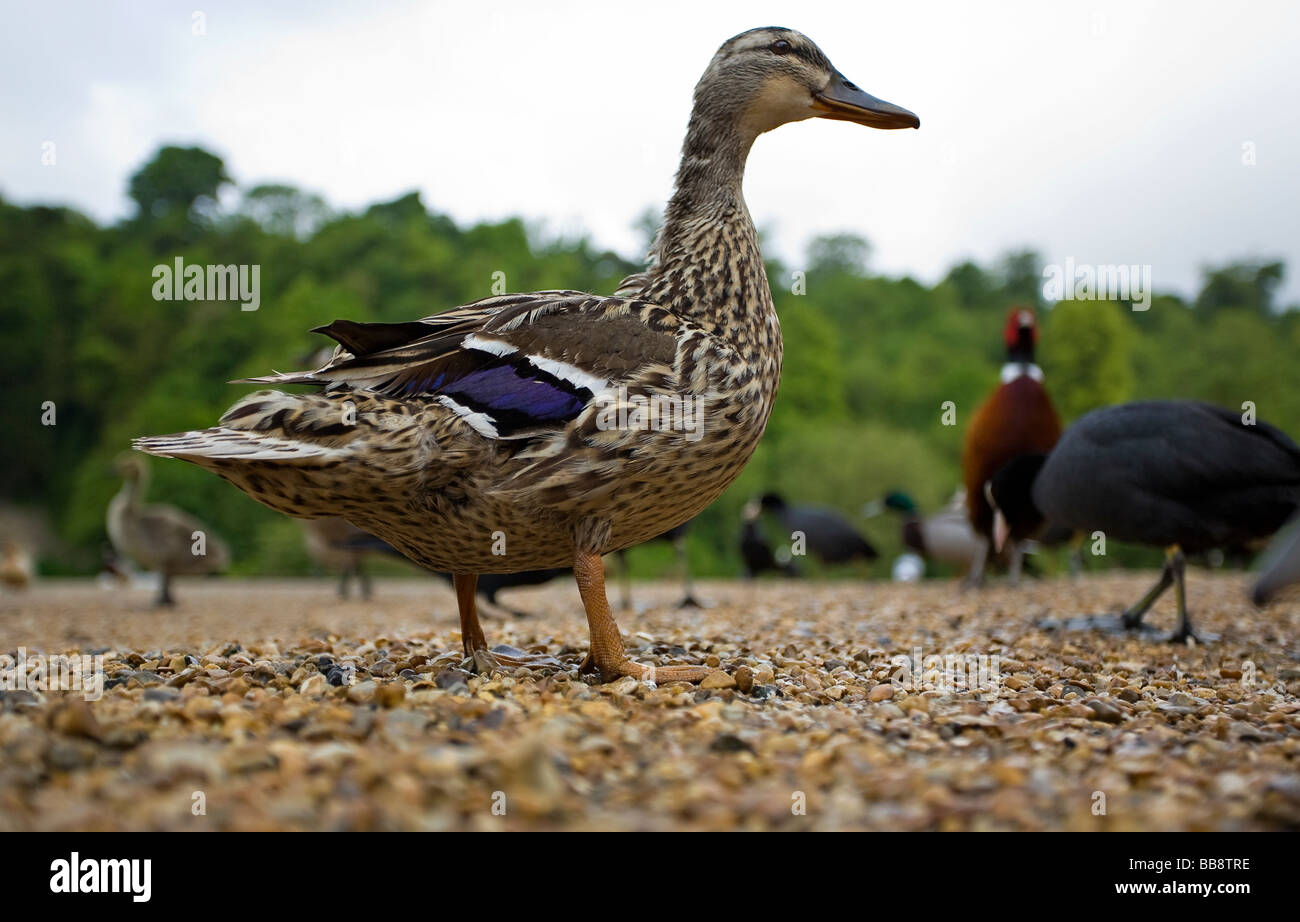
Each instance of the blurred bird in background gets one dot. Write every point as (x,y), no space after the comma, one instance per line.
(1182,475)
(1018,418)
(943,537)
(337,544)
(757,553)
(677,538)
(1280,566)
(826,534)
(16,567)
(158,537)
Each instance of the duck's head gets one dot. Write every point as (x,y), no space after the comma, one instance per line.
(767,77)
(899,501)
(768,502)
(130,465)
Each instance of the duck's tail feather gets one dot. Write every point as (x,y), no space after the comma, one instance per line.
(295,429)
(295,477)
(222,443)
(309,455)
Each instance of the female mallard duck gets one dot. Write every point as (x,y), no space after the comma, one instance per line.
(160,538)
(529,431)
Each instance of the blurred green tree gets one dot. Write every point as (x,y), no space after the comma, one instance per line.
(844,254)
(1249,286)
(284,210)
(178,181)
(1088,347)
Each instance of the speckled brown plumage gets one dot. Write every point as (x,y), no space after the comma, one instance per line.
(478,440)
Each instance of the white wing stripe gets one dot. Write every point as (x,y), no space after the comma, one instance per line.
(491,346)
(571,373)
(479,422)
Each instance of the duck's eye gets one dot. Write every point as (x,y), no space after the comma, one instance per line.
(781,46)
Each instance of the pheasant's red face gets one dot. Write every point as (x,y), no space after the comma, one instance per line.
(1020,318)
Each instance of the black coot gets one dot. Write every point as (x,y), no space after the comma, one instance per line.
(1178,474)
(828,535)
(758,555)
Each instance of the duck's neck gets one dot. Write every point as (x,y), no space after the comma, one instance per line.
(706,263)
(132,490)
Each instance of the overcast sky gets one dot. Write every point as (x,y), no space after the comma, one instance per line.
(1106,132)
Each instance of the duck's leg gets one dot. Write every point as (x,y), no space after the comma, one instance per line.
(1017,563)
(1076,555)
(473,641)
(1133,614)
(363,579)
(975,577)
(684,561)
(471,634)
(1177,562)
(608,655)
(165,591)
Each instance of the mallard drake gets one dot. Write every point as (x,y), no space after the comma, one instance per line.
(157,537)
(529,431)
(1177,474)
(945,536)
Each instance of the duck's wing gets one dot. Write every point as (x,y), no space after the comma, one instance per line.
(512,366)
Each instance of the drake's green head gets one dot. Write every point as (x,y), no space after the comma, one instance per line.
(899,501)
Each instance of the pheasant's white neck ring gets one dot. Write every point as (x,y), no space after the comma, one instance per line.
(1013,370)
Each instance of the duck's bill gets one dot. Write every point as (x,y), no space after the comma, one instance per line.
(843,101)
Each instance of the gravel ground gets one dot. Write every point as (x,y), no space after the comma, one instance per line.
(274,706)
